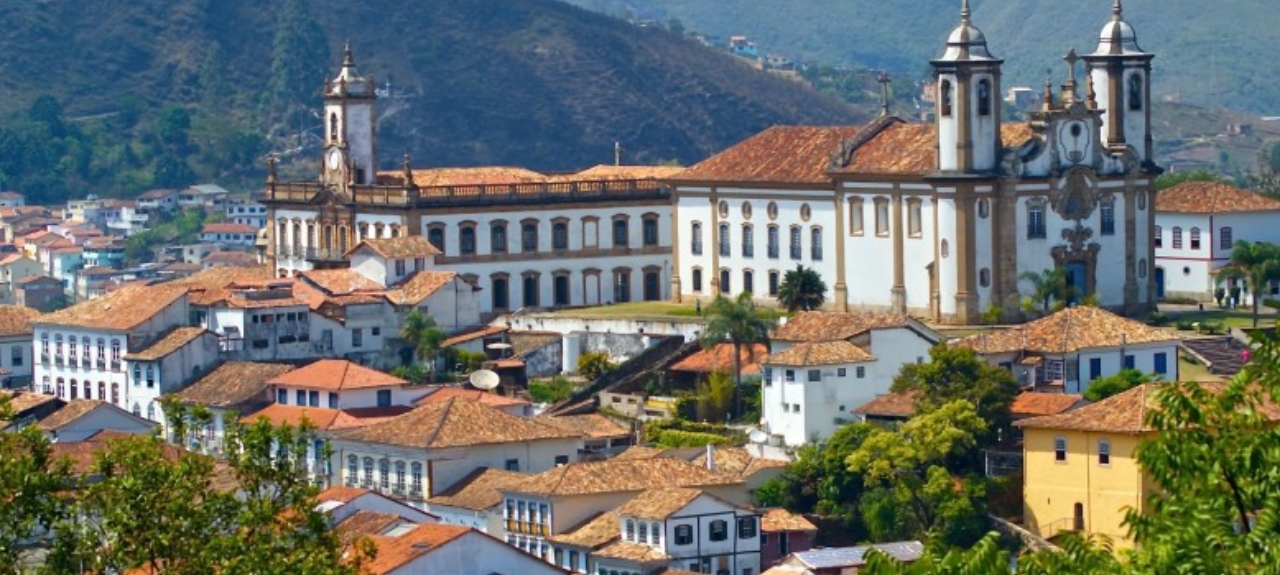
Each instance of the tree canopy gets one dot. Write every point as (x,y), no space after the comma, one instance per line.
(735,321)
(1256,264)
(954,373)
(802,289)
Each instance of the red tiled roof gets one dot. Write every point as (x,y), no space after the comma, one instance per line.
(403,247)
(790,154)
(1031,403)
(777,520)
(809,353)
(336,374)
(719,358)
(1125,412)
(486,397)
(395,552)
(1212,198)
(119,310)
(827,326)
(454,423)
(473,335)
(890,405)
(228,228)
(1067,331)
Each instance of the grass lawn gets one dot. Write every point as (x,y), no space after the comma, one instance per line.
(1229,318)
(1188,371)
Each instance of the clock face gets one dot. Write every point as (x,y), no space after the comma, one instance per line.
(335,158)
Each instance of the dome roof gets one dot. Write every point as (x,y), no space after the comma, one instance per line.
(1117,36)
(349,82)
(966,42)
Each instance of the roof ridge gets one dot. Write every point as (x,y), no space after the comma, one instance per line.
(447,406)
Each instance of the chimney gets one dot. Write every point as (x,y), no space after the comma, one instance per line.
(711,457)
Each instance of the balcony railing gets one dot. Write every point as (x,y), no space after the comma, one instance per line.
(325,255)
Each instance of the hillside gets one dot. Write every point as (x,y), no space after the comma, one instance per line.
(152,92)
(1215,55)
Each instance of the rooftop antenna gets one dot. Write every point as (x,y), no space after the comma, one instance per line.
(883,78)
(617,153)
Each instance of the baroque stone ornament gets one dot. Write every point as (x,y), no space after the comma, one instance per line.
(1076,199)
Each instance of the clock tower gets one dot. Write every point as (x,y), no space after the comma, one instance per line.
(350,125)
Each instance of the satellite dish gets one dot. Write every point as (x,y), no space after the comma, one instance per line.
(757,436)
(484,379)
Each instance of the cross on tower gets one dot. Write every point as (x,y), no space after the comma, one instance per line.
(883,78)
(1071,58)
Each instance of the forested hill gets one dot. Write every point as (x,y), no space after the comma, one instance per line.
(152,93)
(1212,54)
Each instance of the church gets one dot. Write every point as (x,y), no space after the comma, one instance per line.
(941,220)
(523,238)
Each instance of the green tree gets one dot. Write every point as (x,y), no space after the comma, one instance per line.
(172,171)
(594,364)
(1048,286)
(802,289)
(421,332)
(299,60)
(737,322)
(910,462)
(1077,556)
(31,479)
(954,373)
(164,510)
(556,390)
(1256,264)
(715,396)
(1125,379)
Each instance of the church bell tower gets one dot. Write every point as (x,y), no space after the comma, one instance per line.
(1121,74)
(350,127)
(967,92)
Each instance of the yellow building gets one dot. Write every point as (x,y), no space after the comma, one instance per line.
(1080,470)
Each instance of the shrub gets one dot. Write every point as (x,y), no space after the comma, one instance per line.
(415,373)
(1185,325)
(1157,318)
(594,364)
(677,438)
(558,389)
(1211,327)
(1272,303)
(992,315)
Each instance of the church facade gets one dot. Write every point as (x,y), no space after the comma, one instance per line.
(526,239)
(941,220)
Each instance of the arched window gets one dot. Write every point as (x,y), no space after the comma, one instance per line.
(1135,92)
(384,474)
(724,240)
(620,233)
(695,238)
(748,241)
(498,238)
(529,237)
(115,393)
(400,476)
(1035,220)
(467,240)
(655,534)
(796,248)
(415,477)
(333,127)
(1195,238)
(1177,238)
(366,480)
(560,236)
(815,243)
(353,469)
(642,534)
(773,241)
(102,392)
(984,98)
(944,98)
(436,237)
(75,387)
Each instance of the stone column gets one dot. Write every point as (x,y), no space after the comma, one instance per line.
(898,294)
(715,243)
(676,292)
(841,301)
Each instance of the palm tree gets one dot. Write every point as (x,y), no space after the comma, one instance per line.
(1256,264)
(1049,285)
(802,289)
(421,332)
(736,321)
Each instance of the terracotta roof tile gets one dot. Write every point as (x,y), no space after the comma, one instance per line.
(719,358)
(16,320)
(293,415)
(118,310)
(228,228)
(1068,331)
(807,353)
(827,326)
(890,405)
(419,286)
(605,172)
(899,148)
(170,342)
(638,452)
(478,491)
(1031,403)
(20,401)
(487,175)
(230,257)
(658,504)
(598,530)
(364,523)
(363,416)
(395,552)
(622,475)
(1124,412)
(777,520)
(340,281)
(454,423)
(1212,198)
(336,374)
(445,393)
(74,410)
(210,286)
(525,342)
(341,494)
(736,461)
(789,154)
(591,425)
(483,332)
(627,551)
(402,247)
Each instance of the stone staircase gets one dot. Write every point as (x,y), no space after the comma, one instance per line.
(658,356)
(1220,354)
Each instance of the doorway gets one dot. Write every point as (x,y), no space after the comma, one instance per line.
(1076,278)
(1159,283)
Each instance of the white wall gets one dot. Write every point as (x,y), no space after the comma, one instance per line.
(476,553)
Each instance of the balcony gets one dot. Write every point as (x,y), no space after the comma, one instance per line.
(325,255)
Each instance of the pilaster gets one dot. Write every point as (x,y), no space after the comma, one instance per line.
(841,300)
(899,292)
(676,293)
(966,289)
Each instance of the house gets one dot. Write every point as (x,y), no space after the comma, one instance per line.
(229,234)
(81,349)
(824,364)
(436,445)
(600,433)
(887,408)
(341,384)
(155,201)
(14,267)
(1197,225)
(129,220)
(782,533)
(170,360)
(207,196)
(11,199)
(718,359)
(104,252)
(15,346)
(511,405)
(260,320)
(843,560)
(753,469)
(562,500)
(80,419)
(475,500)
(1079,470)
(668,527)
(39,292)
(431,548)
(243,209)
(1066,350)
(325,422)
(27,407)
(340,503)
(229,390)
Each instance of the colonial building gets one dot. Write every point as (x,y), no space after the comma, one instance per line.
(527,239)
(940,220)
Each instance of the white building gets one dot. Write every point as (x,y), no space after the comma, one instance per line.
(526,239)
(1197,224)
(229,234)
(164,365)
(939,220)
(81,350)
(155,201)
(826,363)
(474,501)
(228,391)
(81,419)
(15,346)
(206,196)
(242,209)
(1067,350)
